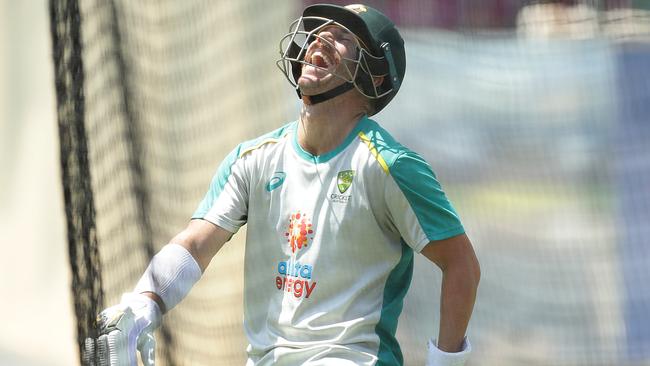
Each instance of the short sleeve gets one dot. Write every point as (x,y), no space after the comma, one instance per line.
(417,205)
(226,202)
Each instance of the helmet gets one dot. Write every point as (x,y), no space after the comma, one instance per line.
(380,51)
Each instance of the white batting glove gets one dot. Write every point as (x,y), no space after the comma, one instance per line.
(437,357)
(123,329)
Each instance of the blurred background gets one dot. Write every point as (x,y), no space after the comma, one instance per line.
(35,294)
(534,114)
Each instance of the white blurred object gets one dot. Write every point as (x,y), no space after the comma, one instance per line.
(437,357)
(553,21)
(627,24)
(545,21)
(35,285)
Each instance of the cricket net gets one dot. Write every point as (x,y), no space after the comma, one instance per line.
(534,118)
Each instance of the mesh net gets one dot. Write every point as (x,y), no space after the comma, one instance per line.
(533,115)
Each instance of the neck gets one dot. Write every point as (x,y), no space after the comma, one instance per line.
(324,126)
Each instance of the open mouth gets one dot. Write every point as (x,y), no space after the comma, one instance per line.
(321,60)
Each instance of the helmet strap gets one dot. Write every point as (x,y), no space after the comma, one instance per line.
(332,93)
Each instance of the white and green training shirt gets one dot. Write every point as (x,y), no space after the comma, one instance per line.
(330,242)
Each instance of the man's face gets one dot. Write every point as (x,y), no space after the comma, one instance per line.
(328,52)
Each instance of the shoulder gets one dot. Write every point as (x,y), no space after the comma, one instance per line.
(390,153)
(268,139)
(252,147)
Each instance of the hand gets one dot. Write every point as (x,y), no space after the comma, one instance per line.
(437,357)
(123,329)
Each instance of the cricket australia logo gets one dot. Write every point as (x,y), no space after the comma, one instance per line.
(357,8)
(343,182)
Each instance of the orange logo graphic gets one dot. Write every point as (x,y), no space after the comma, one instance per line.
(299,232)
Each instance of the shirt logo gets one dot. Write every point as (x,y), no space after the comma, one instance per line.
(299,232)
(357,8)
(293,276)
(344,180)
(276,180)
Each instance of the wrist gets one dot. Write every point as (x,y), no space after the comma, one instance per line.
(143,306)
(153,296)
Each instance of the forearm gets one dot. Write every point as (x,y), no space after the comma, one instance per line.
(458,295)
(169,277)
(202,240)
(174,270)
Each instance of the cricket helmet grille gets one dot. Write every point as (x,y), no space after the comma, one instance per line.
(380,51)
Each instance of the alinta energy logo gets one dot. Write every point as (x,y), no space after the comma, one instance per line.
(293,276)
(299,232)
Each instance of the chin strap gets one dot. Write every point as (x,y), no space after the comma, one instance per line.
(319,98)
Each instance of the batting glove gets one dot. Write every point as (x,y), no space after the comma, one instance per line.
(123,329)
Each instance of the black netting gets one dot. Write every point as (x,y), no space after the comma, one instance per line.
(78,194)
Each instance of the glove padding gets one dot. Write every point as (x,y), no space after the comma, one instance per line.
(123,329)
(438,357)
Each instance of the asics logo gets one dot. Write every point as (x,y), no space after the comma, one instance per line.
(276,180)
